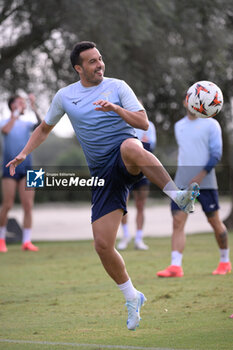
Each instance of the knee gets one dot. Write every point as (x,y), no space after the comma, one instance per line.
(101,246)
(131,148)
(217,225)
(7,206)
(27,207)
(178,223)
(211,221)
(140,206)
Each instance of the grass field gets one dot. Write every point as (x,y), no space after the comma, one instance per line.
(61,298)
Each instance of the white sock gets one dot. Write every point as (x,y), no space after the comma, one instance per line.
(139,235)
(26,235)
(3,232)
(125,229)
(128,290)
(171,189)
(176,258)
(224,255)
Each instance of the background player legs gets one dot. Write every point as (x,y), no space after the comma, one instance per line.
(178,234)
(178,244)
(8,196)
(124,219)
(27,201)
(219,229)
(221,236)
(9,187)
(126,238)
(140,197)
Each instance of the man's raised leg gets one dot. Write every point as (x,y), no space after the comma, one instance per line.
(137,159)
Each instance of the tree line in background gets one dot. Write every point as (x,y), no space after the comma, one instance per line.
(159,47)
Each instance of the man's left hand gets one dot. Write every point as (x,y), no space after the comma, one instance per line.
(105,106)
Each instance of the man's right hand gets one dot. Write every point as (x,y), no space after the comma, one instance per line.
(15,162)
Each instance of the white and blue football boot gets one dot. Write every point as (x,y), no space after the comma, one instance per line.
(185,199)
(134,307)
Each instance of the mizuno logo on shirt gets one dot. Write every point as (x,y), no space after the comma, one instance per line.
(76,102)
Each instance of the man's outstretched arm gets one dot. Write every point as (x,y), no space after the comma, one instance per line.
(38,136)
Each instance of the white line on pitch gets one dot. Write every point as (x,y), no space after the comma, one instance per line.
(80,345)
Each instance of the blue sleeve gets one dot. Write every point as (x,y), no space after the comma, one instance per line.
(55,111)
(215,146)
(128,98)
(212,162)
(148,136)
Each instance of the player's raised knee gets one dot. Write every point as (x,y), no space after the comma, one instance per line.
(131,148)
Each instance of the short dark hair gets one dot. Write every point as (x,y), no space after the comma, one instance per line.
(12,100)
(77,49)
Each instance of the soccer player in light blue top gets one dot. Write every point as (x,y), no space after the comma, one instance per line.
(16,133)
(104,113)
(199,150)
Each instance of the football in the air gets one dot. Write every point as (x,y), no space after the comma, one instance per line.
(204,99)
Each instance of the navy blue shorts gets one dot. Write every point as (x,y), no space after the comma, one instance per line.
(113,195)
(208,200)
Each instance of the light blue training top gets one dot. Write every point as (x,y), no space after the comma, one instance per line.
(198,140)
(148,135)
(16,139)
(99,133)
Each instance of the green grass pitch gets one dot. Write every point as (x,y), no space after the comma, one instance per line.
(63,295)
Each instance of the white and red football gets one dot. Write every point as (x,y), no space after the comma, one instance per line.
(204,99)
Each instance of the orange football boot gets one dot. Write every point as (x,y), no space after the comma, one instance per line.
(171,271)
(29,246)
(223,268)
(3,247)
